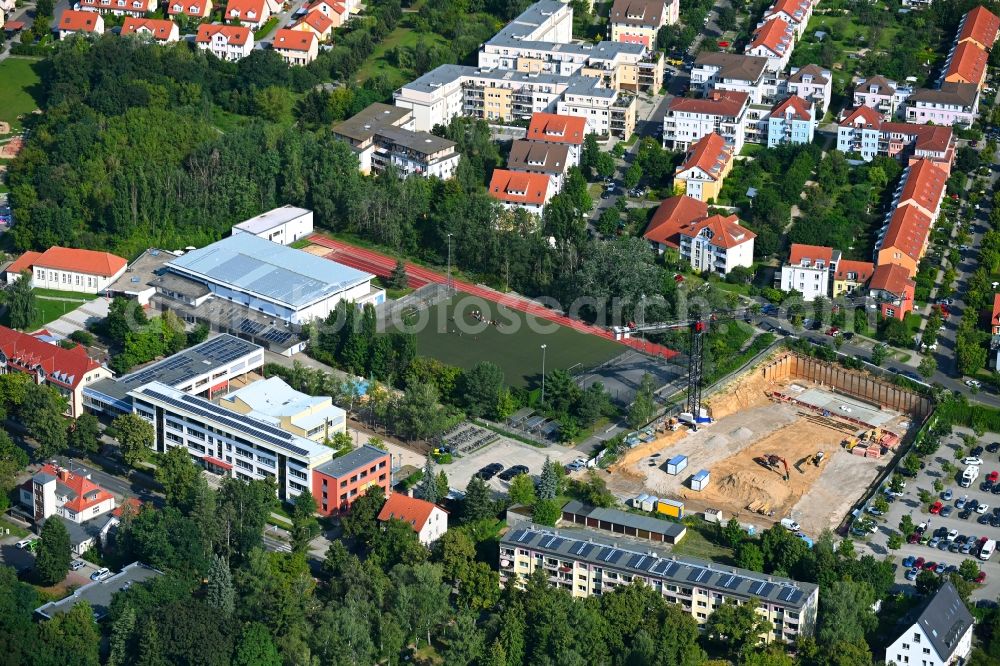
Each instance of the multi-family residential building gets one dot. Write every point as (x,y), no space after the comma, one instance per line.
(251,13)
(966,63)
(706,164)
(812,83)
(72,22)
(904,237)
(205,370)
(162,31)
(892,288)
(382,136)
(672,215)
(550,159)
(639,21)
(68,371)
(225,42)
(285,224)
(808,270)
(195,9)
(733,72)
(923,184)
(851,276)
(69,269)
(569,131)
(274,401)
(337,12)
(980,27)
(296,47)
(951,104)
(317,23)
(795,13)
(56,491)
(119,7)
(791,121)
(717,244)
(774,39)
(608,113)
(585,563)
(885,96)
(338,483)
(688,119)
(941,636)
(228,444)
(427,519)
(864,131)
(527,191)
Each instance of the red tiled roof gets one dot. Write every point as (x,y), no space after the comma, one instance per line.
(775,35)
(790,7)
(813,253)
(557,128)
(519,187)
(160,28)
(63,366)
(71,259)
(244,7)
(78,21)
(980,25)
(335,7)
(132,504)
(410,510)
(318,21)
(709,153)
(925,185)
(293,40)
(996,308)
(891,278)
(935,138)
(82,493)
(968,64)
(198,9)
(863,269)
(234,34)
(907,231)
(800,109)
(863,116)
(726,231)
(718,103)
(671,216)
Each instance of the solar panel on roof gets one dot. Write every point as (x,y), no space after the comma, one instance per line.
(546,540)
(672,569)
(795,597)
(615,556)
(636,560)
(648,564)
(698,575)
(763,589)
(556,542)
(585,550)
(525,537)
(517,534)
(787,593)
(732,582)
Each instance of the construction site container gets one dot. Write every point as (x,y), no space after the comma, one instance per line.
(637,501)
(649,504)
(700,480)
(677,464)
(670,508)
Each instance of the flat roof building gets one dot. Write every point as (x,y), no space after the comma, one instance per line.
(99,594)
(338,483)
(272,400)
(622,522)
(285,225)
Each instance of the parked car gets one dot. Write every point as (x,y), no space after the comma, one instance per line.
(993,476)
(489,471)
(982,508)
(972,460)
(919,563)
(936,508)
(964,514)
(101,574)
(952,535)
(972,383)
(913,538)
(946,511)
(908,561)
(993,448)
(929,566)
(509,473)
(976,451)
(981,578)
(947,495)
(76,565)
(911,574)
(933,543)
(939,569)
(960,502)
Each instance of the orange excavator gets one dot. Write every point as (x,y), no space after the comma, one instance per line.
(770,461)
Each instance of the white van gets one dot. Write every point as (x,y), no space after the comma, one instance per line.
(790,524)
(987,550)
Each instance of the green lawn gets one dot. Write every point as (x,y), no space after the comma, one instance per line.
(515,345)
(45,311)
(380,62)
(696,544)
(267,28)
(73,295)
(21,90)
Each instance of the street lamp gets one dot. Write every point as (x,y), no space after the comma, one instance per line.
(543,373)
(449,264)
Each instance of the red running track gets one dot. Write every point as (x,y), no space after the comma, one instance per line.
(418,276)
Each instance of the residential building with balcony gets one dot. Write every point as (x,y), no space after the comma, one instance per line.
(135,8)
(809,269)
(774,40)
(528,191)
(297,48)
(672,215)
(56,491)
(337,12)
(687,119)
(733,72)
(916,205)
(242,446)
(966,63)
(706,164)
(587,563)
(882,94)
(161,31)
(382,137)
(851,276)
(795,13)
(338,483)
(864,132)
(980,27)
(892,288)
(717,244)
(549,159)
(225,42)
(791,121)
(951,104)
(995,331)
(813,84)
(317,23)
(608,113)
(569,131)
(639,21)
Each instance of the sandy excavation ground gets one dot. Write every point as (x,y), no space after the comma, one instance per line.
(748,425)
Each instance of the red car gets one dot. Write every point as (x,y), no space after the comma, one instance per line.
(994,475)
(981,578)
(936,507)
(929,566)
(833,331)
(919,563)
(913,538)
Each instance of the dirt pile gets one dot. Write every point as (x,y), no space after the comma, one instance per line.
(747,392)
(748,487)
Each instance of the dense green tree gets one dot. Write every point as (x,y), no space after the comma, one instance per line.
(52,562)
(478,502)
(361,522)
(177,473)
(219,591)
(419,415)
(643,406)
(522,490)
(134,435)
(305,526)
(41,413)
(546,512)
(737,629)
(548,481)
(481,388)
(428,486)
(749,556)
(255,647)
(12,461)
(242,509)
(21,302)
(18,630)
(85,433)
(846,613)
(420,599)
(70,639)
(397,543)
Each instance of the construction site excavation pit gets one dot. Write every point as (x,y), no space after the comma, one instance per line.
(763,427)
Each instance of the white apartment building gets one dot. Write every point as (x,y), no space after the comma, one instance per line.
(717,244)
(722,112)
(56,491)
(795,13)
(808,270)
(237,445)
(733,72)
(941,636)
(774,40)
(283,225)
(951,104)
(813,84)
(549,159)
(119,7)
(882,94)
(225,42)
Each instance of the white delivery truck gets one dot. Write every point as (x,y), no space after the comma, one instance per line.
(969,476)
(986,552)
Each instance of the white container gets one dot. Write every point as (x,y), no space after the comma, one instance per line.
(677,464)
(700,480)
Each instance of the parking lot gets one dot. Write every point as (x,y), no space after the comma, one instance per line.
(508,453)
(910,505)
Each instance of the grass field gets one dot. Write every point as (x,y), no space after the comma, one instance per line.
(72,295)
(379,61)
(515,345)
(21,91)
